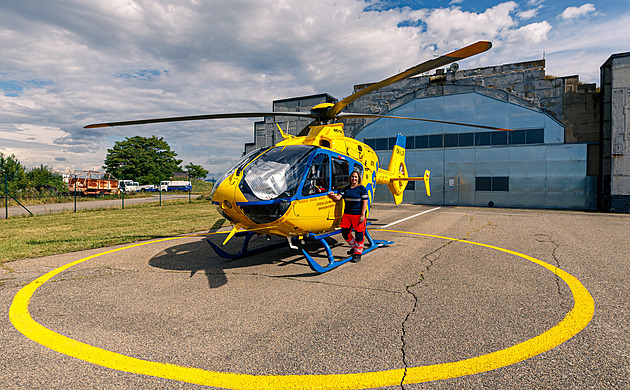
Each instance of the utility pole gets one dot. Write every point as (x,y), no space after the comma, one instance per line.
(6,195)
(76,178)
(122,191)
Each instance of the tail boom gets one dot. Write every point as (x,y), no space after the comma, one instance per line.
(396,176)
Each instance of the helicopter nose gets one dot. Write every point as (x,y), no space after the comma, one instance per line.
(221,192)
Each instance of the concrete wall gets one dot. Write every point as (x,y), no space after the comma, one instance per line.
(615,150)
(570,102)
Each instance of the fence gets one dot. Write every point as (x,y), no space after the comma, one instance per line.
(50,200)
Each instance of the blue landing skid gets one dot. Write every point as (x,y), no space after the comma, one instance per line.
(244,251)
(370,245)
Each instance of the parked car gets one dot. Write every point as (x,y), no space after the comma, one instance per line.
(175,185)
(128,186)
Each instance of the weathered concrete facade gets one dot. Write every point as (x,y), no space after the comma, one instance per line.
(615,145)
(570,102)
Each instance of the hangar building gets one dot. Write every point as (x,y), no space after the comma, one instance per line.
(568,149)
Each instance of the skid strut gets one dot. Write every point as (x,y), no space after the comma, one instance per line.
(244,251)
(371,244)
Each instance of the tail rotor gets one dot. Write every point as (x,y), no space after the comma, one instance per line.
(396,176)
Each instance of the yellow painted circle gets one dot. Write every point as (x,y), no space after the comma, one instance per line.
(575,320)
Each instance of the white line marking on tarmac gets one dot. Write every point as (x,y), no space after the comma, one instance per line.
(404,219)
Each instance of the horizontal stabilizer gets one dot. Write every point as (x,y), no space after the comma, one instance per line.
(427,175)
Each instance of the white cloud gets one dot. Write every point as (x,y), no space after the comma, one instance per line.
(580,50)
(27,132)
(531,33)
(82,62)
(223,57)
(577,12)
(460,27)
(528,14)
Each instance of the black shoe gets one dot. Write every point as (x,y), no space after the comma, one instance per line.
(351,251)
(356,258)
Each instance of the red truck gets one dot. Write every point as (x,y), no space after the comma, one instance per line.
(93,183)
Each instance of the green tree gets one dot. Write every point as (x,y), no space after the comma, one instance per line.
(14,172)
(196,171)
(43,177)
(145,160)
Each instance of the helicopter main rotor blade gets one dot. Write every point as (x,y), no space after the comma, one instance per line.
(201,117)
(465,52)
(351,115)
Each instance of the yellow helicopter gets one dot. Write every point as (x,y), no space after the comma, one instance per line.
(283,190)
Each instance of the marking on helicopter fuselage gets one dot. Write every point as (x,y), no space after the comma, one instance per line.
(576,320)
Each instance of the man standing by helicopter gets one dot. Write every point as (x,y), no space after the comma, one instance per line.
(355,197)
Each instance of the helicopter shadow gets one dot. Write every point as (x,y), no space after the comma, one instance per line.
(198,256)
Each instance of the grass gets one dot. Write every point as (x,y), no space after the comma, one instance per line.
(44,235)
(200,188)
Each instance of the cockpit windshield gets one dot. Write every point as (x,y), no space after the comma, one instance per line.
(239,165)
(276,173)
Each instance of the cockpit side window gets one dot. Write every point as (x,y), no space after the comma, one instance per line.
(341,173)
(318,178)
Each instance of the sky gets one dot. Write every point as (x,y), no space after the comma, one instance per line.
(68,63)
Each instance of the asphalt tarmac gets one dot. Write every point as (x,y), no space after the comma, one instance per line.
(424,313)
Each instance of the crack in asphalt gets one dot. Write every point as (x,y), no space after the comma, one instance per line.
(547,238)
(431,257)
(403,335)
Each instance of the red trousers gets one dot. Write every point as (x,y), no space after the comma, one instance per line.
(351,222)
